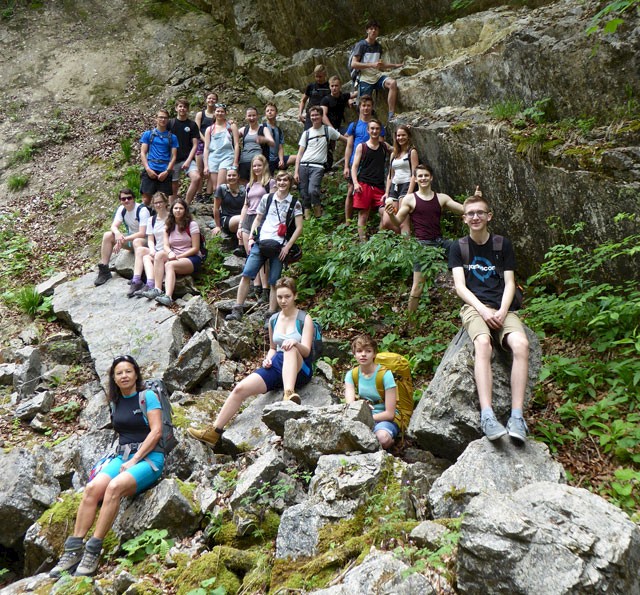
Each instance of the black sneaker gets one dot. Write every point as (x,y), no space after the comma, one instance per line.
(104,274)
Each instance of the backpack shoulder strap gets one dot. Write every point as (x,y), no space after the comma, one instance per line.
(380,381)
(498,241)
(300,318)
(355,376)
(154,218)
(123,213)
(143,402)
(464,249)
(273,320)
(138,213)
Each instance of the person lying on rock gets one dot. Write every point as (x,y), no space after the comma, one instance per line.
(136,467)
(287,364)
(134,217)
(364,349)
(483,274)
(180,255)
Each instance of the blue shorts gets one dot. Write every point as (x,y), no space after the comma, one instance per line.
(369,88)
(196,261)
(142,472)
(273,376)
(390,427)
(217,162)
(255,261)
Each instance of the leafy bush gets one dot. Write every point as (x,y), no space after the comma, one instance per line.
(151,541)
(17,182)
(132,179)
(507,109)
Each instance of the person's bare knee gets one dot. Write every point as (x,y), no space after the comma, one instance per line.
(385,439)
(482,345)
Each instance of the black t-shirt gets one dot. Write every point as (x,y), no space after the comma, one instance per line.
(481,276)
(315,92)
(231,205)
(128,420)
(186,131)
(371,168)
(335,108)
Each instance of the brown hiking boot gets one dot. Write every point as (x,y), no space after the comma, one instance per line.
(208,435)
(291,395)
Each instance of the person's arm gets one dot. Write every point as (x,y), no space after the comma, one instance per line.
(325,115)
(447,202)
(350,388)
(266,137)
(151,242)
(195,242)
(347,154)
(292,240)
(141,233)
(243,214)
(254,226)
(236,144)
(296,173)
(354,168)
(389,178)
(144,150)
(408,204)
(301,115)
(507,296)
(198,121)
(167,246)
(414,160)
(217,203)
(389,412)
(192,154)
(266,362)
(468,297)
(205,154)
(281,162)
(303,346)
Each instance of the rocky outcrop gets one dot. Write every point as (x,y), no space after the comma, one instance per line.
(547,538)
(447,417)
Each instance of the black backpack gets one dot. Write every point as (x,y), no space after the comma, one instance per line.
(124,212)
(265,147)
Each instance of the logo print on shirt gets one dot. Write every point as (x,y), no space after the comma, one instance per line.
(482,268)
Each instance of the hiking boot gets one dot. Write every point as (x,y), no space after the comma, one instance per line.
(104,274)
(317,210)
(140,292)
(151,294)
(236,313)
(492,428)
(263,298)
(68,562)
(517,428)
(134,288)
(240,252)
(89,564)
(291,395)
(208,435)
(164,299)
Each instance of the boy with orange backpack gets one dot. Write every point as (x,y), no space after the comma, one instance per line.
(384,380)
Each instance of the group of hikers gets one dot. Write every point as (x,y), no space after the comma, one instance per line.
(244,170)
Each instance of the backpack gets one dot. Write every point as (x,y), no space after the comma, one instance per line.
(265,147)
(354,73)
(316,345)
(289,219)
(401,370)
(518,297)
(168,440)
(203,243)
(326,139)
(124,212)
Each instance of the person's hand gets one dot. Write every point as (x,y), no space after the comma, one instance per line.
(281,164)
(289,344)
(162,176)
(266,362)
(127,465)
(302,117)
(390,206)
(478,192)
(171,255)
(185,165)
(152,252)
(151,174)
(205,171)
(215,231)
(488,315)
(283,252)
(356,188)
(345,173)
(296,177)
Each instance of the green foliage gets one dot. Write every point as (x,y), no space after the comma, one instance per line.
(205,588)
(601,396)
(506,109)
(22,155)
(213,270)
(131,179)
(126,146)
(67,412)
(28,300)
(17,182)
(15,250)
(152,541)
(610,18)
(540,111)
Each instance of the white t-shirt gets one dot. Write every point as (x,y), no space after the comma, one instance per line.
(277,214)
(157,231)
(134,219)
(315,143)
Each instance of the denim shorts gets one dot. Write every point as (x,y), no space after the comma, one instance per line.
(390,427)
(177,169)
(369,88)
(255,261)
(218,162)
(273,376)
(142,472)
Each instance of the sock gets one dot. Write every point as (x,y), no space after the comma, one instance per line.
(219,431)
(516,413)
(487,412)
(73,543)
(136,279)
(391,114)
(94,545)
(151,283)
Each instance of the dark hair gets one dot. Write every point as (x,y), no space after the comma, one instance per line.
(271,104)
(374,121)
(126,192)
(366,98)
(396,145)
(315,108)
(425,166)
(170,225)
(372,23)
(184,101)
(287,282)
(114,390)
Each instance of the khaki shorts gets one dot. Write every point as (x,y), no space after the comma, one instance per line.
(474,324)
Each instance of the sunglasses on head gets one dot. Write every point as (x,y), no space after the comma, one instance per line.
(123,358)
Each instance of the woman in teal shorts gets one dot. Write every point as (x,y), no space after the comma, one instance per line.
(136,466)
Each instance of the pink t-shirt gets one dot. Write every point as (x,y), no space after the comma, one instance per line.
(254,193)
(180,241)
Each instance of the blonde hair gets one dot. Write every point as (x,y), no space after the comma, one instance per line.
(320,68)
(266,174)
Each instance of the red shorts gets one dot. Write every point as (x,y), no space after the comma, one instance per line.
(370,197)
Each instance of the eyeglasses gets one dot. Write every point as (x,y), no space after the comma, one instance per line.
(474,214)
(125,198)
(222,105)
(162,117)
(123,358)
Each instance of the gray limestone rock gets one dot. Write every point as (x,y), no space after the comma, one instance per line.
(491,467)
(113,325)
(28,371)
(46,287)
(447,417)
(298,531)
(254,477)
(227,374)
(428,534)
(7,372)
(198,359)
(65,348)
(196,314)
(40,403)
(547,538)
(163,506)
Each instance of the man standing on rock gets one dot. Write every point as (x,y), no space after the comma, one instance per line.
(158,153)
(483,267)
(134,216)
(187,133)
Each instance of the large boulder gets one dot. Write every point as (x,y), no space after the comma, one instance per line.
(113,325)
(447,417)
(28,370)
(547,538)
(487,467)
(26,491)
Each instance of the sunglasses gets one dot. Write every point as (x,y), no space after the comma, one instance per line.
(222,105)
(125,198)
(123,358)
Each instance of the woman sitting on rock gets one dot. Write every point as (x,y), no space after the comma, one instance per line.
(286,365)
(135,468)
(180,255)
(145,253)
(228,204)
